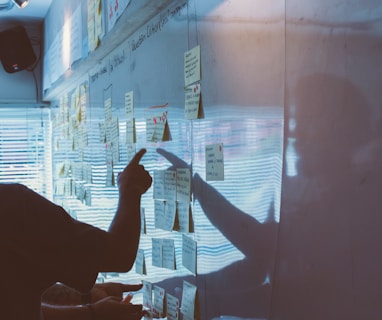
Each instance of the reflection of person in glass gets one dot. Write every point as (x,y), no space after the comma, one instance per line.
(330,226)
(242,288)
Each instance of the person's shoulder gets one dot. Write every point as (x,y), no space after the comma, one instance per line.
(12,187)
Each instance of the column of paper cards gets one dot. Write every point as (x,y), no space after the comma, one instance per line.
(192,77)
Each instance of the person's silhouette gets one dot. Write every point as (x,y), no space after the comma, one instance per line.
(328,225)
(242,288)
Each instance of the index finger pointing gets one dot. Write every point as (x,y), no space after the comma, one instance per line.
(137,157)
(173,159)
(131,287)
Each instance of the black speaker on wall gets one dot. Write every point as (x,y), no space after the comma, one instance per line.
(16,51)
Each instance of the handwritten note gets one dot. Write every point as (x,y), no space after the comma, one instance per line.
(192,66)
(214,162)
(192,102)
(189,253)
(170,214)
(170,185)
(156,128)
(169,254)
(183,185)
(172,307)
(112,129)
(140,262)
(147,294)
(130,131)
(102,132)
(188,301)
(129,104)
(184,217)
(158,184)
(108,109)
(159,214)
(157,252)
(159,297)
(112,138)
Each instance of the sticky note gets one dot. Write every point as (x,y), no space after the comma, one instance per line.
(108,109)
(184,217)
(192,102)
(129,104)
(140,262)
(130,131)
(147,294)
(169,215)
(183,185)
(112,129)
(189,253)
(169,261)
(157,253)
(159,214)
(192,66)
(158,305)
(188,301)
(170,185)
(214,162)
(109,167)
(158,184)
(157,128)
(173,305)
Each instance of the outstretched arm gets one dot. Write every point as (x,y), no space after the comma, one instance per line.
(73,312)
(124,230)
(108,308)
(60,294)
(235,224)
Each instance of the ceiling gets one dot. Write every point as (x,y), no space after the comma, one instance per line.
(34,11)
